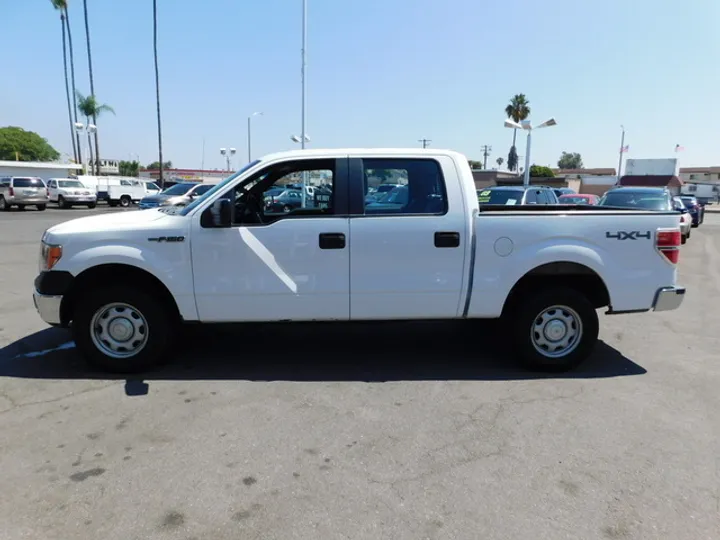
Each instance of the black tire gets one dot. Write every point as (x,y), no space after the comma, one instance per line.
(159,327)
(62,203)
(572,305)
(21,207)
(41,207)
(287,209)
(112,204)
(125,201)
(683,239)
(92,205)
(4,206)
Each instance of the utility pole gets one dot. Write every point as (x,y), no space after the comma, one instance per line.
(622,149)
(486,152)
(424,142)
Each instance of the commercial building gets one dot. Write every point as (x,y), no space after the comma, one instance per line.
(44,170)
(187,175)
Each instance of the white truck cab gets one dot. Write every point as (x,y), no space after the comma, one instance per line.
(125,281)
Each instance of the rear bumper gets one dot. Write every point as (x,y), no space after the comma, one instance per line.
(28,200)
(668,298)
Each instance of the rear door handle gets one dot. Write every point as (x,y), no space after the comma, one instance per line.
(447,239)
(332,241)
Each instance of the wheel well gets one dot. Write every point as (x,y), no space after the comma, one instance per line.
(566,274)
(110,275)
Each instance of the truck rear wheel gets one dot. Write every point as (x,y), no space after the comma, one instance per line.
(554,330)
(122,329)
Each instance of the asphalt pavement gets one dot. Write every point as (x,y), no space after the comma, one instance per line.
(366,432)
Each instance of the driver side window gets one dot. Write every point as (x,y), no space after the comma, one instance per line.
(286,190)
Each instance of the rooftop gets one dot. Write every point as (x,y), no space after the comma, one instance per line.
(41,165)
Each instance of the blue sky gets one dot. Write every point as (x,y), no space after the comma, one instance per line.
(380,73)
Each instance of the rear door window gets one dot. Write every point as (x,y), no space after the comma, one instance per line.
(28,182)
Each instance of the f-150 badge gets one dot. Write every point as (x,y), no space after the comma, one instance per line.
(167,239)
(628,235)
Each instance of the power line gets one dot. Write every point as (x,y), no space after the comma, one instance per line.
(486,152)
(424,142)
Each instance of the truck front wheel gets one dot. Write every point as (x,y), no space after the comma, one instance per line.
(125,201)
(554,330)
(122,329)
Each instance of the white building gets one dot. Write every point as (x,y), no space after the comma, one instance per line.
(701,175)
(44,170)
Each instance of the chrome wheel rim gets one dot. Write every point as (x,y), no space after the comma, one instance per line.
(119,330)
(556,331)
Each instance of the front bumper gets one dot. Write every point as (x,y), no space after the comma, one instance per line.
(50,288)
(668,298)
(48,307)
(80,198)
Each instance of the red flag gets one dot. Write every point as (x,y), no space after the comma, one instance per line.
(625,148)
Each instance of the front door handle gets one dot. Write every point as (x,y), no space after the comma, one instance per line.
(332,241)
(447,239)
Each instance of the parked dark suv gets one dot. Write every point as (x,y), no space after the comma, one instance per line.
(511,195)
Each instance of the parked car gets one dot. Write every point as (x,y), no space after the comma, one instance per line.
(578,198)
(657,199)
(180,194)
(685,218)
(67,192)
(378,192)
(514,195)
(564,191)
(22,191)
(222,259)
(285,202)
(696,209)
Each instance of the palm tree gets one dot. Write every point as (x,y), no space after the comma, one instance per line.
(499,161)
(90,108)
(518,109)
(157,94)
(61,6)
(92,85)
(72,76)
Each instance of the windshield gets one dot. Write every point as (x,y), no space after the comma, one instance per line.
(641,201)
(500,196)
(218,187)
(70,183)
(178,189)
(689,202)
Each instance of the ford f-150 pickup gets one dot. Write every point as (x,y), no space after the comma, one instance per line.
(124,282)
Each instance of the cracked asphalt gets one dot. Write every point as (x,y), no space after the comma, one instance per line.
(367,432)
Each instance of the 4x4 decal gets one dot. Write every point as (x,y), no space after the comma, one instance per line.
(628,235)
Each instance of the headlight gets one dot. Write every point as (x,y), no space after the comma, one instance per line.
(49,256)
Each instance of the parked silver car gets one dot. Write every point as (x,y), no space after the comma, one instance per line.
(22,191)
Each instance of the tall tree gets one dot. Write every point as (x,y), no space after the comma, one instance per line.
(570,160)
(72,77)
(16,144)
(518,109)
(157,95)
(61,6)
(90,108)
(499,161)
(92,86)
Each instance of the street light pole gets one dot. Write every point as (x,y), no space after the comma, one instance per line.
(527,126)
(304,52)
(249,135)
(622,149)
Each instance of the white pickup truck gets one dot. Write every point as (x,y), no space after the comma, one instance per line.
(125,282)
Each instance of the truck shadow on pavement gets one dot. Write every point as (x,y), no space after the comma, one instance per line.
(320,352)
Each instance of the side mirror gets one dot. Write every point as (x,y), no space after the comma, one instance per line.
(218,216)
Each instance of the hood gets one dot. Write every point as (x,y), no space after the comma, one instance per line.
(111,222)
